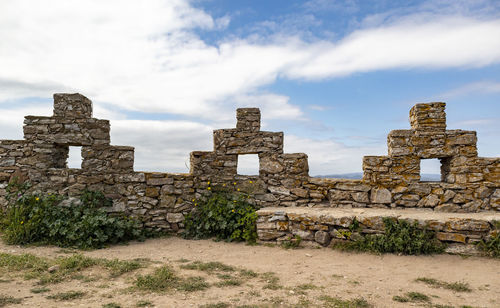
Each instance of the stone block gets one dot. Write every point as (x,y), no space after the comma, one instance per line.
(72,106)
(380,195)
(430,116)
(322,238)
(248,119)
(451,237)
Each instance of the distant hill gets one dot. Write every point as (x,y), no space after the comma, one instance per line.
(358,176)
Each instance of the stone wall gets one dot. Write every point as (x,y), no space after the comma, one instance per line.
(469,183)
(328,226)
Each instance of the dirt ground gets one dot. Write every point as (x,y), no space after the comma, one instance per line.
(308,277)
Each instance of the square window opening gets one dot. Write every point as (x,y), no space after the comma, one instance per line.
(248,164)
(434,169)
(75,157)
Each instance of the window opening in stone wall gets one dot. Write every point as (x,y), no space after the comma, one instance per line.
(75,157)
(248,164)
(434,169)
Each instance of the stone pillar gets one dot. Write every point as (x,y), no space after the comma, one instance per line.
(248,119)
(72,106)
(429,116)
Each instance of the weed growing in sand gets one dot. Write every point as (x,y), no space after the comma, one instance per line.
(454,286)
(8,300)
(228,281)
(271,280)
(216,305)
(40,290)
(292,243)
(209,266)
(67,296)
(412,297)
(64,268)
(111,305)
(143,303)
(165,278)
(335,302)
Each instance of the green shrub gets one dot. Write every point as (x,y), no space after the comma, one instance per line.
(223,215)
(400,236)
(36,218)
(491,245)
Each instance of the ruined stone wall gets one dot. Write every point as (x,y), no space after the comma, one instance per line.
(161,200)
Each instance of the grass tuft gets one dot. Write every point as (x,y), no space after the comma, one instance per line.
(413,297)
(143,303)
(164,278)
(209,266)
(216,305)
(161,279)
(111,305)
(40,290)
(67,296)
(335,302)
(454,286)
(8,300)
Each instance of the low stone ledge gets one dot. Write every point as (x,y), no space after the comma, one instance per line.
(322,225)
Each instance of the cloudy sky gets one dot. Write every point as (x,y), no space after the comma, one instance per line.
(335,76)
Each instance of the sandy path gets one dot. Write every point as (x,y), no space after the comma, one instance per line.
(345,275)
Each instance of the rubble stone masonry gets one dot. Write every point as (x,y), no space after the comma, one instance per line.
(468,183)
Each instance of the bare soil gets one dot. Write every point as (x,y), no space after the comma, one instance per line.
(306,276)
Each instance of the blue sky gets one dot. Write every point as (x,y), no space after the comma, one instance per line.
(335,76)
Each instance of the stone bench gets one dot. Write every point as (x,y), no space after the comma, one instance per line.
(324,226)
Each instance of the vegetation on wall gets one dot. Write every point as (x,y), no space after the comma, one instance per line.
(400,236)
(491,245)
(223,214)
(44,218)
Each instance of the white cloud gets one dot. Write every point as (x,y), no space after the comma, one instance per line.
(146,56)
(481,87)
(328,156)
(437,42)
(162,145)
(11,120)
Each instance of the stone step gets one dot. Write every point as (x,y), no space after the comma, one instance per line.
(318,226)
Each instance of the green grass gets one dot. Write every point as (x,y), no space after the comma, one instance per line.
(66,268)
(111,305)
(292,243)
(209,266)
(401,236)
(334,302)
(165,278)
(143,303)
(216,305)
(248,273)
(8,300)
(401,299)
(67,296)
(40,290)
(162,279)
(413,297)
(192,284)
(454,286)
(271,280)
(231,282)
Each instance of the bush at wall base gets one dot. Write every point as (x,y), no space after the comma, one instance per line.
(41,218)
(223,215)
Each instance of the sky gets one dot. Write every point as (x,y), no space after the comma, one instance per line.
(334,76)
